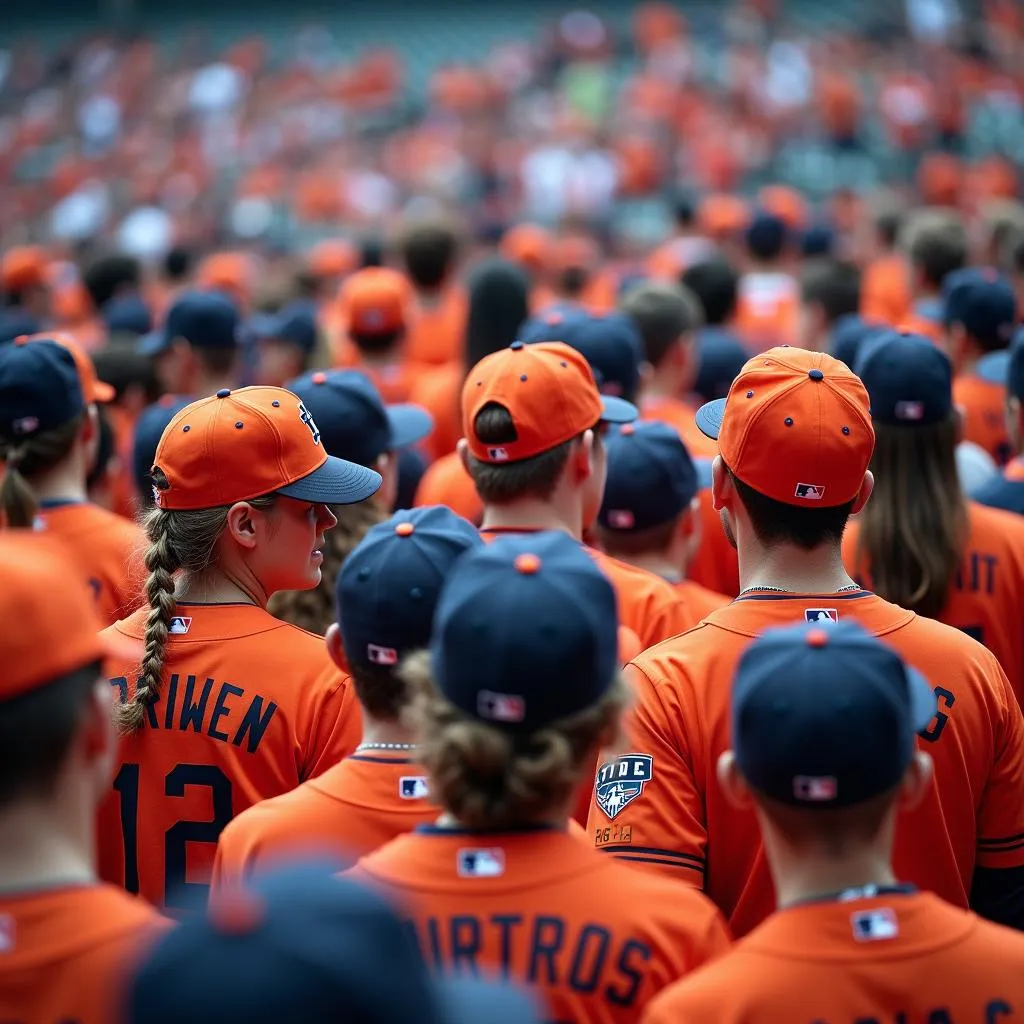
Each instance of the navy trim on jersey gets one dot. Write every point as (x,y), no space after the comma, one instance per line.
(856,892)
(658,860)
(216,604)
(1002,841)
(51,503)
(671,854)
(853,595)
(380,760)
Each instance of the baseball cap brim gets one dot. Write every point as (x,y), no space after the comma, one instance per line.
(618,410)
(993,367)
(335,482)
(153,344)
(709,418)
(923,702)
(408,424)
(466,1001)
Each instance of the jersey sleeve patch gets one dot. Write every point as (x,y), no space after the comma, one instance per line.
(622,781)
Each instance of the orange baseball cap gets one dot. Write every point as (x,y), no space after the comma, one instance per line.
(549,391)
(52,627)
(375,301)
(722,214)
(93,389)
(238,445)
(333,257)
(527,244)
(23,267)
(796,426)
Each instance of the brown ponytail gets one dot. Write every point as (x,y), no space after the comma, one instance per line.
(24,459)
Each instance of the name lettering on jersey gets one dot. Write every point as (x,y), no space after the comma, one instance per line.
(621,781)
(809,492)
(585,957)
(381,655)
(489,863)
(191,704)
(873,925)
(976,573)
(307,418)
(825,615)
(500,707)
(413,787)
(180,624)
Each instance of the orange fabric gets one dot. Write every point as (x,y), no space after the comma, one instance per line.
(984,415)
(67,952)
(23,267)
(648,605)
(248,708)
(683,826)
(107,551)
(987,598)
(655,24)
(885,295)
(810,963)
(679,415)
(701,600)
(436,333)
(786,204)
(231,272)
(538,917)
(716,565)
(439,390)
(334,257)
(827,424)
(548,389)
(926,326)
(446,482)
(768,310)
(940,179)
(93,389)
(528,245)
(721,215)
(354,807)
(376,301)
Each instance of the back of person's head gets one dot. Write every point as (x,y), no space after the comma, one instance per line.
(888,226)
(108,276)
(979,311)
(24,272)
(795,440)
(130,374)
(831,288)
(715,284)
(914,529)
(375,300)
(429,251)
(507,726)
(221,468)
(666,316)
(498,306)
(935,240)
(178,264)
(767,237)
(385,596)
(826,766)
(574,258)
(51,687)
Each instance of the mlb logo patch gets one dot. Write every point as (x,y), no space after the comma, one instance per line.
(413,787)
(909,411)
(497,454)
(381,655)
(621,519)
(500,707)
(872,925)
(809,492)
(26,425)
(815,788)
(621,781)
(481,863)
(823,615)
(180,624)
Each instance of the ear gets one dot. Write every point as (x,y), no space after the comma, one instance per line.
(732,783)
(581,459)
(335,648)
(90,425)
(722,490)
(462,447)
(916,781)
(646,374)
(867,485)
(241,524)
(99,739)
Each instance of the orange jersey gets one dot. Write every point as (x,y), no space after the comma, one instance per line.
(436,333)
(768,310)
(438,390)
(670,815)
(249,707)
(67,952)
(983,404)
(701,600)
(895,956)
(595,938)
(925,319)
(986,600)
(885,295)
(446,482)
(680,416)
(354,807)
(648,605)
(108,549)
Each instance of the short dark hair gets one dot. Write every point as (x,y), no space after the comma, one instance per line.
(106,276)
(715,284)
(1017,256)
(380,690)
(429,251)
(535,477)
(775,522)
(624,543)
(376,344)
(832,284)
(217,361)
(36,732)
(888,225)
(573,280)
(178,262)
(662,312)
(937,244)
(122,367)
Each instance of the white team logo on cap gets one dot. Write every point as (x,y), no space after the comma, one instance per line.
(307,418)
(810,492)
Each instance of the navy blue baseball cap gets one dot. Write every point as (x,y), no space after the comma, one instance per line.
(16,322)
(149,428)
(354,423)
(908,380)
(204,319)
(722,356)
(849,332)
(387,590)
(127,314)
(651,477)
(610,343)
(40,389)
(766,235)
(525,632)
(295,325)
(983,302)
(825,715)
(303,945)
(1005,366)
